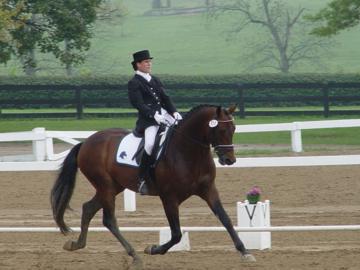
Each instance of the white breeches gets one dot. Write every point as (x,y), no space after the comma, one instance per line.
(150,132)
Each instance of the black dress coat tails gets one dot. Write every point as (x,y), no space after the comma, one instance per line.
(147,98)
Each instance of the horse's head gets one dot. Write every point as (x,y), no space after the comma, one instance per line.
(222,129)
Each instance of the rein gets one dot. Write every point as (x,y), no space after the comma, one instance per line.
(191,139)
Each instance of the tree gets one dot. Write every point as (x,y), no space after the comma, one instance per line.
(26,37)
(156,4)
(337,16)
(287,43)
(68,29)
(113,12)
(62,28)
(7,24)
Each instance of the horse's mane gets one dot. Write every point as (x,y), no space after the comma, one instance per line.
(194,110)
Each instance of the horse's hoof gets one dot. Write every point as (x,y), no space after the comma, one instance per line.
(148,250)
(248,258)
(69,246)
(72,245)
(137,265)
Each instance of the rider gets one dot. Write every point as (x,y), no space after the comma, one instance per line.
(147,95)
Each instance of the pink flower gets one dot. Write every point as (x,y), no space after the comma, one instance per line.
(254,191)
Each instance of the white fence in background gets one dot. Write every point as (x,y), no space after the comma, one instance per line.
(296,127)
(43,157)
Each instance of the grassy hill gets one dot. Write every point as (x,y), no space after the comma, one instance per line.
(190,44)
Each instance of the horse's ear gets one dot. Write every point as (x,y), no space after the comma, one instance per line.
(232,108)
(218,110)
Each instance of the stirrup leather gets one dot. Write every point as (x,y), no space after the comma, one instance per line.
(143,189)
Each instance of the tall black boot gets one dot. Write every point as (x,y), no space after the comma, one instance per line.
(144,173)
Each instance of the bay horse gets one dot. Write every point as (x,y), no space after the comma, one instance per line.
(187,168)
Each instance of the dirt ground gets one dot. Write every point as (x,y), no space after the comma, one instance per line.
(299,196)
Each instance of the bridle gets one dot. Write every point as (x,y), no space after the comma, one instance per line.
(217,147)
(213,124)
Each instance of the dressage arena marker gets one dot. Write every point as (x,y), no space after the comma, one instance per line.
(254,215)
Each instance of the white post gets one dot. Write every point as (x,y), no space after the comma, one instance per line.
(184,244)
(49,149)
(39,146)
(254,215)
(129,201)
(296,141)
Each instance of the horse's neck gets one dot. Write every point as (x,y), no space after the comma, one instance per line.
(191,137)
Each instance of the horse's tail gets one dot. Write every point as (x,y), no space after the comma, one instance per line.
(63,188)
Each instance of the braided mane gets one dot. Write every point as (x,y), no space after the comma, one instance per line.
(196,109)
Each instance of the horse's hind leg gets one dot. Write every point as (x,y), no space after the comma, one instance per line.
(89,209)
(110,222)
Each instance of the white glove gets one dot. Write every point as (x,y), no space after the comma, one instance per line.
(160,119)
(177,116)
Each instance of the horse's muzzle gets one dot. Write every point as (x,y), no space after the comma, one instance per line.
(226,160)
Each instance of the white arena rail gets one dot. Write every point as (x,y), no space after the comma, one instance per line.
(296,127)
(293,161)
(44,158)
(194,229)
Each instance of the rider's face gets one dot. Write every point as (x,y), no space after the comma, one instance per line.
(144,66)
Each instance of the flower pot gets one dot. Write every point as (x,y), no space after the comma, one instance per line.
(253,199)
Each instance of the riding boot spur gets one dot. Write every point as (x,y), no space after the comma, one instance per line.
(144,174)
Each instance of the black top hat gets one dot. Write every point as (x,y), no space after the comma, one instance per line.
(141,56)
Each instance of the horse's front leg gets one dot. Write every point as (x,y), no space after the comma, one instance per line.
(172,213)
(211,196)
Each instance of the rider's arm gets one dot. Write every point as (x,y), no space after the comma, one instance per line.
(136,99)
(166,102)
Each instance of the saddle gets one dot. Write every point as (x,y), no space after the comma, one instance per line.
(131,147)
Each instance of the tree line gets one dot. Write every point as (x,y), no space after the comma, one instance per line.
(64,29)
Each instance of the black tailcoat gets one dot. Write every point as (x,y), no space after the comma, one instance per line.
(147,98)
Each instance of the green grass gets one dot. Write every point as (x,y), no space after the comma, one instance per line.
(190,44)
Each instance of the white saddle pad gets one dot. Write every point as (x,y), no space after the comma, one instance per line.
(130,144)
(127,149)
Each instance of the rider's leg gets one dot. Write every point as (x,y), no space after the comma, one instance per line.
(146,159)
